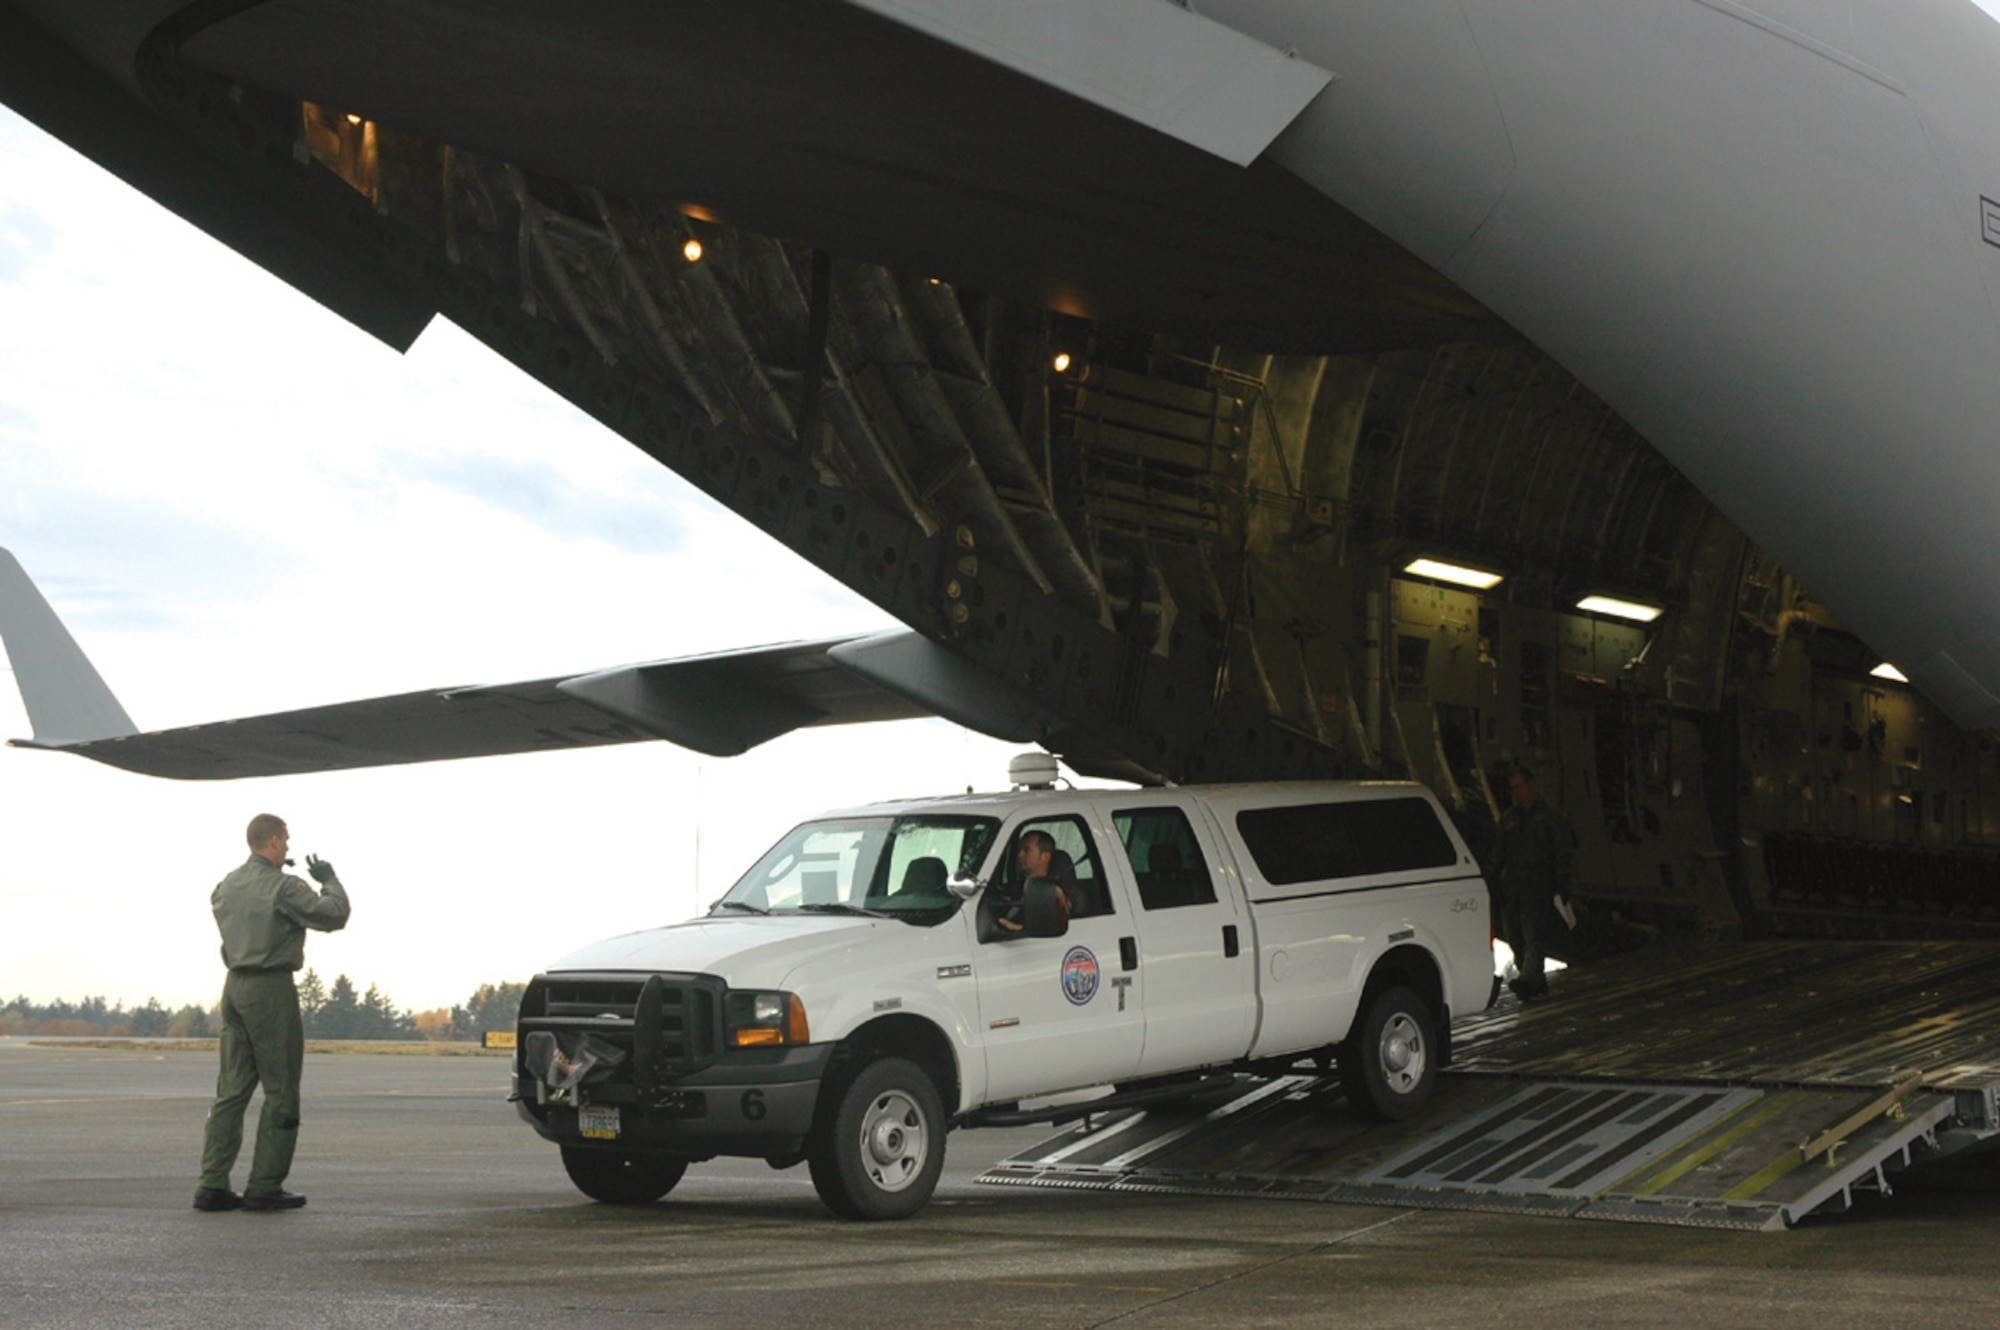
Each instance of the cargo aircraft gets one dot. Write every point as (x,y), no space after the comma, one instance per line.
(1217,390)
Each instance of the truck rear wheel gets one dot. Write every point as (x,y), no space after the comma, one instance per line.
(880,1151)
(1388,1065)
(618,1177)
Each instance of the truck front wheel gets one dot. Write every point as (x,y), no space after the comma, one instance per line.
(881,1148)
(620,1178)
(1388,1065)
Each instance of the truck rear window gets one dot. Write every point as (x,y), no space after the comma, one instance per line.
(1317,842)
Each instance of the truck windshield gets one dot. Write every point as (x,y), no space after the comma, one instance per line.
(892,866)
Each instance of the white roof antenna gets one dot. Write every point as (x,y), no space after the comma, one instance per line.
(1033,771)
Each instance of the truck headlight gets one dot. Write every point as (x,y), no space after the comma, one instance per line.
(760,1019)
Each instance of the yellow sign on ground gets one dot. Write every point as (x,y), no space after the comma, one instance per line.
(499,1039)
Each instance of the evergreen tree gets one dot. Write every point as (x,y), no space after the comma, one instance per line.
(192,1022)
(151,1020)
(492,1007)
(378,1018)
(312,998)
(340,1015)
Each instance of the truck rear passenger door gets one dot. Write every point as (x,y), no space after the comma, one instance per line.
(1197,972)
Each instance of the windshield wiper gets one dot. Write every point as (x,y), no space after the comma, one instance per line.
(739,905)
(838,907)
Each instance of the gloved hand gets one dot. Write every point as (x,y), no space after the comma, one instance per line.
(321,870)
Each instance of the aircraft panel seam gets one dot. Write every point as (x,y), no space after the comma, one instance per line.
(1800,39)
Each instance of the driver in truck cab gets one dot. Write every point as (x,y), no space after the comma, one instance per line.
(1037,856)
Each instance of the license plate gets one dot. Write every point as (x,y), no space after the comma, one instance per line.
(600,1124)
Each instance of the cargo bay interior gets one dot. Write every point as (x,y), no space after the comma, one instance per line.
(1176,514)
(1206,560)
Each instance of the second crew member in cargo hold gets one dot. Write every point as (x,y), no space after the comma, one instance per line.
(1530,870)
(263,913)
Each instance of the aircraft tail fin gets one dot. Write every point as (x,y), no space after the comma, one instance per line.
(66,698)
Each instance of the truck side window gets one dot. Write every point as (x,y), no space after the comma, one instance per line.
(1076,863)
(1319,842)
(1165,857)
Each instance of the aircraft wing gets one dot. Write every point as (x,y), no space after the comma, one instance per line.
(722,704)
(381,731)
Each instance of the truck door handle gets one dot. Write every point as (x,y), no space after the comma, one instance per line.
(1128,953)
(1229,946)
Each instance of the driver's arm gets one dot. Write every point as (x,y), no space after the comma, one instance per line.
(1003,903)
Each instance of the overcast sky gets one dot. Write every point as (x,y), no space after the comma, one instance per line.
(239,504)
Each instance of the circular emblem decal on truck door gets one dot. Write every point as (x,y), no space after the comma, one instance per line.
(1079,975)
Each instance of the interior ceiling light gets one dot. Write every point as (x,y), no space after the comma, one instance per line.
(1887,671)
(1061,361)
(1454,574)
(1620,609)
(691,251)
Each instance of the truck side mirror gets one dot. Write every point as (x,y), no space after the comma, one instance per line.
(963,885)
(1044,908)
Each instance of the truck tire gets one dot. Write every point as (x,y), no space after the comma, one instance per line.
(880,1150)
(617,1177)
(1388,1064)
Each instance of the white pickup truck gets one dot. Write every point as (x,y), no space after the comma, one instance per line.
(885,974)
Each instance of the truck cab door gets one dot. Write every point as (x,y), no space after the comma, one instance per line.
(1197,957)
(1057,1013)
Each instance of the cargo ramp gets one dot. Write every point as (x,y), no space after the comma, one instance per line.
(1743,1086)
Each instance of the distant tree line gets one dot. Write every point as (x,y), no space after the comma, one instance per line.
(333,1011)
(95,1016)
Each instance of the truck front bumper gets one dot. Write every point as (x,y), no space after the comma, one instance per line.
(756,1103)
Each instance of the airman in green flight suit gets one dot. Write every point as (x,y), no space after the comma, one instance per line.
(263,913)
(1531,867)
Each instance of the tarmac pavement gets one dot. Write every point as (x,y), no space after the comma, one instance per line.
(431,1204)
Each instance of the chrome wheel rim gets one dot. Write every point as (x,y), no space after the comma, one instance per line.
(895,1140)
(1401,1053)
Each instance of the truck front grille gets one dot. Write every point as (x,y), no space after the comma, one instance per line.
(613,998)
(688,1035)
